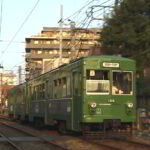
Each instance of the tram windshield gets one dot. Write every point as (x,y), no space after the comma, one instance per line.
(122,83)
(97,82)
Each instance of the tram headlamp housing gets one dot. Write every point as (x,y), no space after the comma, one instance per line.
(130,105)
(93,105)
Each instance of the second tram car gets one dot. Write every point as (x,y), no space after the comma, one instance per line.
(91,93)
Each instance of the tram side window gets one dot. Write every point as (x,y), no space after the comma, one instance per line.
(43,90)
(38,92)
(50,89)
(64,87)
(30,91)
(55,89)
(68,86)
(34,93)
(41,93)
(97,82)
(47,89)
(59,88)
(76,85)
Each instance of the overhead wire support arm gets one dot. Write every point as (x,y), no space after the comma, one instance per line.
(106,6)
(102,7)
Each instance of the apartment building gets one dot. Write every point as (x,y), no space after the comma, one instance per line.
(56,46)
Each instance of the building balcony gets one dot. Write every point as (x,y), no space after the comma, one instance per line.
(65,46)
(33,65)
(45,56)
(42,46)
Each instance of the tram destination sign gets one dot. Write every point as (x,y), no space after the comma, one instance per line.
(111,65)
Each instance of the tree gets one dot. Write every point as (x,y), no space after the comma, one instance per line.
(127,31)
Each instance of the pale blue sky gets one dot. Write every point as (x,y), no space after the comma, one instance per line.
(46,14)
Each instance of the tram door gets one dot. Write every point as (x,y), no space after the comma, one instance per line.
(76,100)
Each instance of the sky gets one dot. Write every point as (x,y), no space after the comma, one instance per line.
(18,21)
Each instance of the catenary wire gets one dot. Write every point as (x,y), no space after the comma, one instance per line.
(1,16)
(21,26)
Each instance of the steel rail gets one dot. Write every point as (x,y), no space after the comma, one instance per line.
(133,142)
(107,147)
(10,142)
(34,135)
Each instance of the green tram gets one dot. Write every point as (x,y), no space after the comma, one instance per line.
(88,94)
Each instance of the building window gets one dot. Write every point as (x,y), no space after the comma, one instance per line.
(48,42)
(36,42)
(55,51)
(55,42)
(39,52)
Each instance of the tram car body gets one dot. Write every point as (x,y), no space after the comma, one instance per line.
(91,93)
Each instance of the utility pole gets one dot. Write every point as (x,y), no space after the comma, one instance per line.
(60,34)
(19,72)
(1,80)
(73,40)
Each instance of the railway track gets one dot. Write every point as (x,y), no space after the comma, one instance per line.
(59,143)
(134,142)
(74,143)
(18,138)
(122,144)
(104,146)
(125,141)
(15,147)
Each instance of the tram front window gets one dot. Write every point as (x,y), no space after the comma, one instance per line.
(97,82)
(122,83)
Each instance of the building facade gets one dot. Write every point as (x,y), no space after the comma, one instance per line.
(56,46)
(7,81)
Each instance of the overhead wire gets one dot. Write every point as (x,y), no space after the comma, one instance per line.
(100,13)
(84,21)
(75,15)
(81,24)
(16,65)
(7,41)
(1,17)
(21,26)
(16,33)
(79,11)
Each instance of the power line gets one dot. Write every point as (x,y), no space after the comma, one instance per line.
(1,16)
(7,41)
(16,65)
(85,21)
(79,11)
(88,18)
(30,13)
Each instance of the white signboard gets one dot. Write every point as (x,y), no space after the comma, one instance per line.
(111,65)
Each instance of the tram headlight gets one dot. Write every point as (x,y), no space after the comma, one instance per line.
(130,105)
(93,105)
